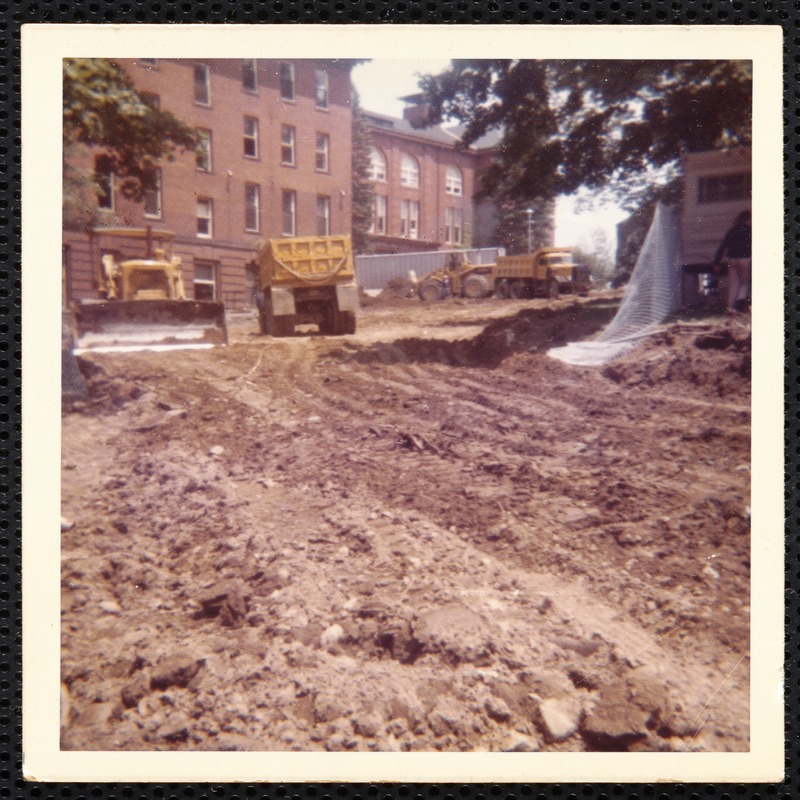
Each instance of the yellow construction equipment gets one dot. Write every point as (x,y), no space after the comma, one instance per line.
(143,304)
(307,280)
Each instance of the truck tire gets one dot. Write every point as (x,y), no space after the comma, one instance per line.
(431,291)
(553,289)
(283,325)
(262,323)
(501,289)
(347,322)
(516,289)
(475,286)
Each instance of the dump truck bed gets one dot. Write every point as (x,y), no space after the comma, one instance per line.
(116,326)
(310,260)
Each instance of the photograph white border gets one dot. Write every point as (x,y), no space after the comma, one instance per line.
(43,48)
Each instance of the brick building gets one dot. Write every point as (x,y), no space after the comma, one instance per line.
(423,186)
(275,161)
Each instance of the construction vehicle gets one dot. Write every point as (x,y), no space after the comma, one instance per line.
(458,278)
(307,280)
(547,272)
(143,304)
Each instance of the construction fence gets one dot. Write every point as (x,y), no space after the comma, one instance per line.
(375,272)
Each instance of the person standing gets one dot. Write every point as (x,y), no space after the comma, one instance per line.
(735,250)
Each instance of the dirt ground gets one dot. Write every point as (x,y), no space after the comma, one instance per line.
(426,536)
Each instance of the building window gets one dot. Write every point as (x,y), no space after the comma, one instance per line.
(205,280)
(203,152)
(409,172)
(378,214)
(202,85)
(252,207)
(289,207)
(321,79)
(454,226)
(250,137)
(205,218)
(152,195)
(287,80)
(249,72)
(287,145)
(151,99)
(323,148)
(323,215)
(409,219)
(453,181)
(377,167)
(104,180)
(721,188)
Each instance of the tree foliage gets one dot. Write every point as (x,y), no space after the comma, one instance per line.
(362,187)
(102,109)
(594,124)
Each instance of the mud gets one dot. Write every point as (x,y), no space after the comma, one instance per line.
(426,536)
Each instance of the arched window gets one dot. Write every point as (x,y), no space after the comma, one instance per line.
(377,168)
(409,171)
(453,181)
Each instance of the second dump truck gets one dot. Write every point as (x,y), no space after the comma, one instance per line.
(547,272)
(307,280)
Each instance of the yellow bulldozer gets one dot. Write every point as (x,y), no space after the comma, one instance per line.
(458,278)
(142,303)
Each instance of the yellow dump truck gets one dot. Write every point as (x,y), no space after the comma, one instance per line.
(142,303)
(547,272)
(307,280)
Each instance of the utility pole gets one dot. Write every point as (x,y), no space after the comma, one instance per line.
(529,212)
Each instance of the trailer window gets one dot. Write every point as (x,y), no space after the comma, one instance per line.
(722,188)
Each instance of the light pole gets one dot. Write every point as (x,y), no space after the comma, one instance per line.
(529,212)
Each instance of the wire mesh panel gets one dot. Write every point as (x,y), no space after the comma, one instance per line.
(651,294)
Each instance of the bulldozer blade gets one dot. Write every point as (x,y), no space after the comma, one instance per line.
(117,326)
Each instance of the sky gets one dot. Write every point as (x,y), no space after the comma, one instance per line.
(381,82)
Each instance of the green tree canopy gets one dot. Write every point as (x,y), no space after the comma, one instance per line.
(596,124)
(103,109)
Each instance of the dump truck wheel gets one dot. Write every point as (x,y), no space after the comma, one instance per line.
(553,289)
(347,322)
(262,323)
(283,325)
(475,286)
(501,289)
(516,289)
(431,291)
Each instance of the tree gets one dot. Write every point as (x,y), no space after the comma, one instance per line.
(362,187)
(102,109)
(596,124)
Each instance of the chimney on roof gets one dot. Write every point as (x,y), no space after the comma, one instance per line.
(416,109)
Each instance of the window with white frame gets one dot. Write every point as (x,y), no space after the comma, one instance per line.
(409,219)
(202,85)
(205,218)
(454,225)
(205,280)
(289,215)
(322,153)
(378,225)
(377,167)
(453,181)
(250,137)
(104,180)
(409,171)
(249,75)
(203,151)
(323,215)
(152,195)
(252,207)
(287,145)
(287,80)
(321,82)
